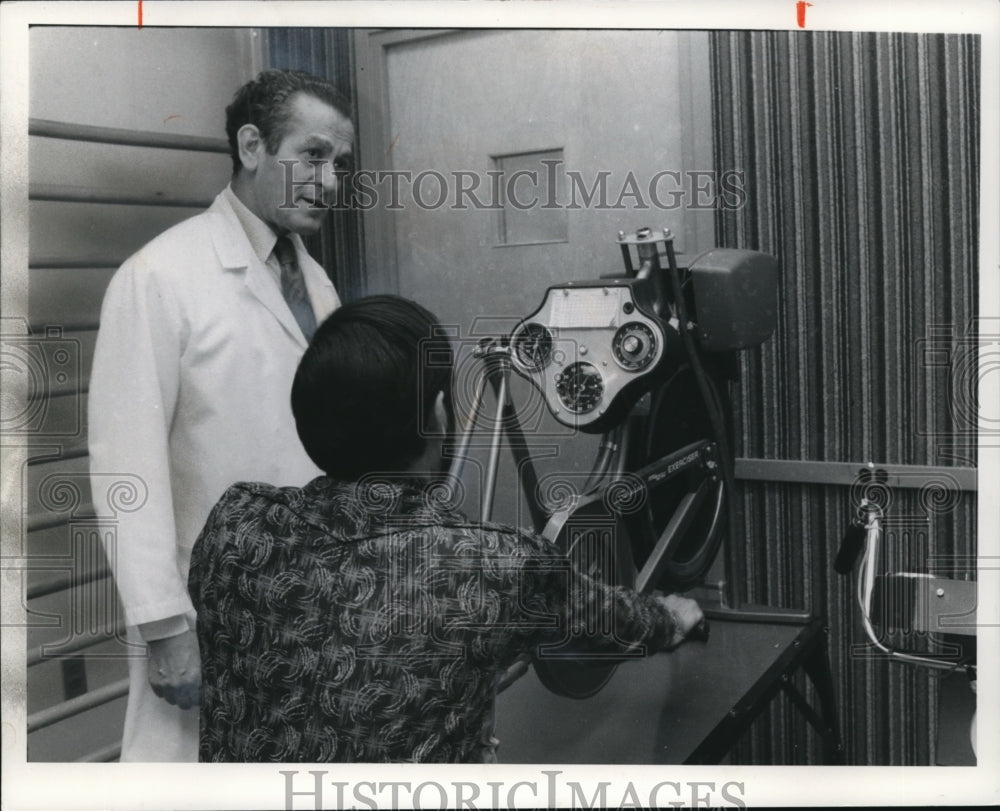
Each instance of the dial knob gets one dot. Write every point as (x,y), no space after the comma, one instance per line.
(634,346)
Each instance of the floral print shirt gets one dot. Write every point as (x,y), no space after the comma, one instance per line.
(369,621)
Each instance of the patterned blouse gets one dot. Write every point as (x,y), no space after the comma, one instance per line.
(368,622)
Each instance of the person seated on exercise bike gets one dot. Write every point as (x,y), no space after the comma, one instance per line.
(361,617)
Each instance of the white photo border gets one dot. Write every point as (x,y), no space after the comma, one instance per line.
(182,786)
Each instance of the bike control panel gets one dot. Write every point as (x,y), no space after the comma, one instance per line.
(586,345)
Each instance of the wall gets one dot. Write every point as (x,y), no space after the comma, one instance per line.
(862,157)
(92,203)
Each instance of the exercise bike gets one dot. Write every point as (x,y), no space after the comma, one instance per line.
(643,358)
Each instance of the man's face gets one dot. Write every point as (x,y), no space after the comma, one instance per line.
(292,189)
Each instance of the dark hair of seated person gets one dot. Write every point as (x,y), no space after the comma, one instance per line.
(366,386)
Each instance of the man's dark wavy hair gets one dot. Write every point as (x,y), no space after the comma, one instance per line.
(264,102)
(365,388)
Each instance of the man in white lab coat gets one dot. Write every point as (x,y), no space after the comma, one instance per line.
(201,332)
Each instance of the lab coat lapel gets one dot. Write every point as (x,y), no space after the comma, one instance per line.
(235,254)
(261,284)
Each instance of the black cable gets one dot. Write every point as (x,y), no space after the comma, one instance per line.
(701,377)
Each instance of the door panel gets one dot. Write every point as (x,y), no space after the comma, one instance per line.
(451,107)
(614,102)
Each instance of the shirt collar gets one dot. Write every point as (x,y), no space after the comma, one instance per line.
(383,498)
(261,237)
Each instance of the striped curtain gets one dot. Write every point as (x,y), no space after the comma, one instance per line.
(860,155)
(327,52)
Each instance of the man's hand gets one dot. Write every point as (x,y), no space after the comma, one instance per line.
(689,621)
(175,669)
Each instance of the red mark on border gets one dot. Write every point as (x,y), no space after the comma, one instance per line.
(140,13)
(393,144)
(800,12)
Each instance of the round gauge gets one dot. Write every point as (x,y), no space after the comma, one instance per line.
(634,346)
(533,346)
(580,387)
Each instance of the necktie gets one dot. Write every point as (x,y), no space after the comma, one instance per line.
(293,286)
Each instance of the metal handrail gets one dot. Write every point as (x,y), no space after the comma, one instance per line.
(46,128)
(106,754)
(56,193)
(74,262)
(38,654)
(65,581)
(42,394)
(41,521)
(68,452)
(75,706)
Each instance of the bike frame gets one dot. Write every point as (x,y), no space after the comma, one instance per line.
(699,458)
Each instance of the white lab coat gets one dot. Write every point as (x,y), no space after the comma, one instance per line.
(190,392)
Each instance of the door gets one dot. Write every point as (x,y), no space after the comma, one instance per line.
(497,162)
